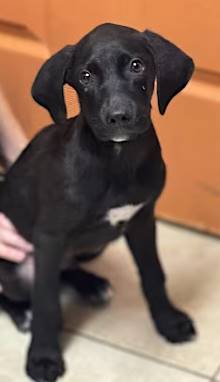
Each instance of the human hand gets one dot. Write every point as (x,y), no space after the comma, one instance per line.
(13,247)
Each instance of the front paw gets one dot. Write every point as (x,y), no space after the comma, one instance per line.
(174,325)
(44,365)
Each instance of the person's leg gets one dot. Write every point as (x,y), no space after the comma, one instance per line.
(12,141)
(12,136)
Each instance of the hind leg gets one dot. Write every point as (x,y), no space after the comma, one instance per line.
(15,294)
(85,257)
(92,288)
(19,312)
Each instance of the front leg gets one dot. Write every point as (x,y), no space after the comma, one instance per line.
(45,362)
(173,324)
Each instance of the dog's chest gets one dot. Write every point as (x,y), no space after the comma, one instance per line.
(122,214)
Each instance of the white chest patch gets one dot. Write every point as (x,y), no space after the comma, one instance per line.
(123,213)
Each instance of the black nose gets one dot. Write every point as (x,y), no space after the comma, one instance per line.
(118,117)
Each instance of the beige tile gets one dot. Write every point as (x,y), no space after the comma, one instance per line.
(192,262)
(86,360)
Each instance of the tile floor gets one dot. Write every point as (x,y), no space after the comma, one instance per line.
(118,342)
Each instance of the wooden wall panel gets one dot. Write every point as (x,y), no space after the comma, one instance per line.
(23,48)
(189,133)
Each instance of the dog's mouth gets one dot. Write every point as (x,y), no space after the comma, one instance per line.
(119,134)
(117,138)
(123,137)
(120,139)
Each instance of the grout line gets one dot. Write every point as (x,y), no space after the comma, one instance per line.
(215,374)
(138,354)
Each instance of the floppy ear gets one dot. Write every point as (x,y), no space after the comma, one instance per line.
(47,88)
(173,68)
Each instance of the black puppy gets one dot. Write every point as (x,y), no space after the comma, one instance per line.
(83,182)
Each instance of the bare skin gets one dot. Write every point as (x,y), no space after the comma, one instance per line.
(13,247)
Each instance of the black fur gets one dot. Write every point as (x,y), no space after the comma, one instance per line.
(59,190)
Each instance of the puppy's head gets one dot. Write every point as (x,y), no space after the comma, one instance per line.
(113,69)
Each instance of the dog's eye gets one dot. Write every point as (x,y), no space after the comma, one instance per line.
(85,77)
(136,66)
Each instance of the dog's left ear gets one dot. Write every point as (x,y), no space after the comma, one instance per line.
(174,68)
(47,88)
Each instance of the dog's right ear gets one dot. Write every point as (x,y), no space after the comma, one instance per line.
(47,88)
